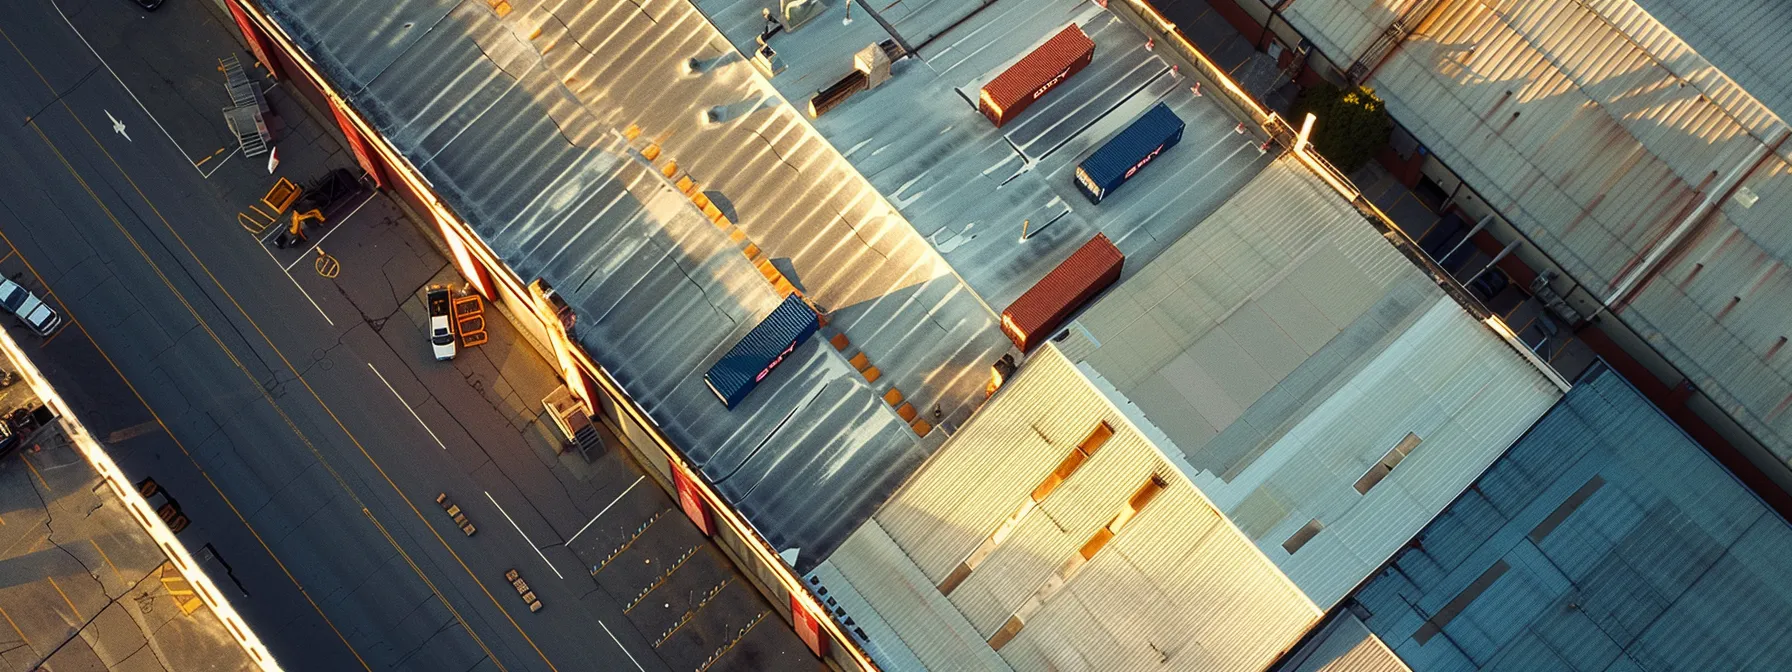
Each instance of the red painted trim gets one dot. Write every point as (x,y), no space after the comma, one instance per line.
(1240,20)
(257,43)
(808,628)
(691,501)
(358,144)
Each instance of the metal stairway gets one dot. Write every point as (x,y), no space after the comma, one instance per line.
(247,114)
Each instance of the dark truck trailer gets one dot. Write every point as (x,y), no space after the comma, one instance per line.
(1039,312)
(761,350)
(1117,161)
(1035,75)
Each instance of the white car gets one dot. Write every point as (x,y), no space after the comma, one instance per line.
(441,325)
(26,306)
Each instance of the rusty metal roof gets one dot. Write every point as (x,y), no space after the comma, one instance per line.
(1596,131)
(1747,39)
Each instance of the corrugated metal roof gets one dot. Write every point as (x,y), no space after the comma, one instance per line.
(1344,645)
(1284,347)
(1594,128)
(1344,29)
(513,121)
(1179,586)
(908,624)
(1625,546)
(969,188)
(1744,38)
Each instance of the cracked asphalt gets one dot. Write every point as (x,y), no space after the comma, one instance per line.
(266,394)
(80,582)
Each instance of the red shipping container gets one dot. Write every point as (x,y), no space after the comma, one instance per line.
(1043,308)
(1036,74)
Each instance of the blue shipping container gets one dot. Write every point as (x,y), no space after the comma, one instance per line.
(1117,161)
(761,350)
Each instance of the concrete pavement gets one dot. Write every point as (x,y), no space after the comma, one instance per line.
(299,418)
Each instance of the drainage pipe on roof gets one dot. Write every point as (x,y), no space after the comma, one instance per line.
(1627,286)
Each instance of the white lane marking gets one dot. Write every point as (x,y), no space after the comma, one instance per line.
(631,657)
(127,91)
(295,283)
(407,406)
(220,164)
(338,227)
(519,530)
(600,514)
(117,126)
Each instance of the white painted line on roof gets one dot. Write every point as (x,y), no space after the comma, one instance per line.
(407,406)
(631,657)
(295,283)
(532,546)
(606,509)
(338,227)
(127,90)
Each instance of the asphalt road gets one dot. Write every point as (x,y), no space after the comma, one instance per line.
(297,418)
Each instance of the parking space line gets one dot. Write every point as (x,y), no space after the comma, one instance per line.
(21,633)
(606,509)
(337,227)
(407,406)
(631,657)
(71,603)
(295,283)
(519,530)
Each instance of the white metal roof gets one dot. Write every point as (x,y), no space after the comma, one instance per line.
(1180,586)
(1344,645)
(1284,347)
(1344,29)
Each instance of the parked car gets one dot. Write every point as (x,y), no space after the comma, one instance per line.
(441,322)
(26,306)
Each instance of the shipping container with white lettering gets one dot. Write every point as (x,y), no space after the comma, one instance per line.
(1035,75)
(761,350)
(1156,130)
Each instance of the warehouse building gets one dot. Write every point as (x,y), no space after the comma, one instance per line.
(1616,142)
(1298,396)
(1274,399)
(1606,539)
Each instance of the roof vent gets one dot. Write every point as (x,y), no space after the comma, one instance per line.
(1746,197)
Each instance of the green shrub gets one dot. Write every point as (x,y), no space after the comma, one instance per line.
(1353,123)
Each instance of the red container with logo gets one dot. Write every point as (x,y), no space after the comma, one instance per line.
(1038,313)
(1035,75)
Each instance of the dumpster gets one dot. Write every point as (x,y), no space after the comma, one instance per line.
(761,350)
(1117,161)
(1035,75)
(1045,306)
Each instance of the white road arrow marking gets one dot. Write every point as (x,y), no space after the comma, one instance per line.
(117,126)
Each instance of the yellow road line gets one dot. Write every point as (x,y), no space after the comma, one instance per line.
(34,472)
(289,366)
(292,425)
(208,330)
(15,628)
(71,603)
(152,412)
(108,559)
(302,381)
